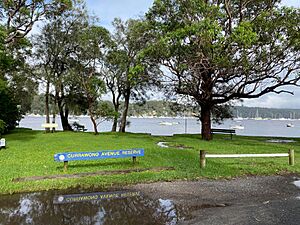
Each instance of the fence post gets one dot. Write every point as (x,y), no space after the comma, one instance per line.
(202,159)
(291,157)
(134,160)
(65,166)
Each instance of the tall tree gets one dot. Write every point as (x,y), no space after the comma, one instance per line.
(113,76)
(220,51)
(93,41)
(56,47)
(17,19)
(137,73)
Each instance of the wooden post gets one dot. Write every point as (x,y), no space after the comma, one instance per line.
(134,159)
(65,166)
(202,159)
(291,157)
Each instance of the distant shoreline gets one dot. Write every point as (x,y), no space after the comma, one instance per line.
(166,117)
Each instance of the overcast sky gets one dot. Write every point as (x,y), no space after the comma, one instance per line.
(107,10)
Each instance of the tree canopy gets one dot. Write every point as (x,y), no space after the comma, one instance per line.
(209,53)
(219,51)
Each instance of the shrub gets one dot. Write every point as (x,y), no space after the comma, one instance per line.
(9,112)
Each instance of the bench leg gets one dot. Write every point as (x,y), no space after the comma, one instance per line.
(65,166)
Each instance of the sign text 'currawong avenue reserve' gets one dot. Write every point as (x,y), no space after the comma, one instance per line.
(71,156)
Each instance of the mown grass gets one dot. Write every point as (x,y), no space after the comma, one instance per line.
(30,153)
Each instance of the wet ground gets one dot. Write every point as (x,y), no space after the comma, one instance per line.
(249,200)
(85,207)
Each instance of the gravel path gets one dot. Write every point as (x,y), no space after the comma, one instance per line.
(248,200)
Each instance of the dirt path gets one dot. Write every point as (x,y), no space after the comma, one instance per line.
(250,200)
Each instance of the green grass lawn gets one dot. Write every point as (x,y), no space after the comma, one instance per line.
(30,153)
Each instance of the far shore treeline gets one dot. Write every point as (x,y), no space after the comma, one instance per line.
(202,56)
(162,108)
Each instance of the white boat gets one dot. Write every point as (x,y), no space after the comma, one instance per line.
(238,127)
(164,123)
(290,125)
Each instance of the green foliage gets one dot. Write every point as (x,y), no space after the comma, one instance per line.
(9,112)
(19,16)
(30,153)
(218,51)
(244,35)
(105,111)
(2,127)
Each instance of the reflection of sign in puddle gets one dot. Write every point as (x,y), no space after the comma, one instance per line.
(63,199)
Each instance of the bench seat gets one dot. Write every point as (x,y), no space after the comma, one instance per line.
(223,131)
(50,125)
(78,127)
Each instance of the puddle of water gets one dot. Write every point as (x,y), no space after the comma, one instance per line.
(163,144)
(280,141)
(120,207)
(297,183)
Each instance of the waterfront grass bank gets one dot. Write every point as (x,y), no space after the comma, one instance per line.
(30,153)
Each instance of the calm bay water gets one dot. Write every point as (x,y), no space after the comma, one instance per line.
(274,128)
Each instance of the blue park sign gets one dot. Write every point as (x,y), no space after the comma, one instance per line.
(107,154)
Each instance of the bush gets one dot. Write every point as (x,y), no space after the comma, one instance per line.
(2,127)
(9,112)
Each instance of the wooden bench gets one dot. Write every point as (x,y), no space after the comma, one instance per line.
(2,143)
(107,154)
(50,126)
(78,127)
(223,131)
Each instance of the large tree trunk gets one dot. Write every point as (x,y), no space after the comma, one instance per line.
(206,122)
(90,105)
(125,112)
(115,124)
(64,119)
(116,103)
(47,111)
(64,113)
(94,124)
(115,121)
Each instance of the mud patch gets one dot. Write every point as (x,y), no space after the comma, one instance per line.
(97,173)
(207,205)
